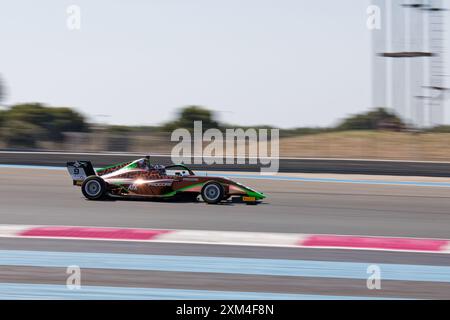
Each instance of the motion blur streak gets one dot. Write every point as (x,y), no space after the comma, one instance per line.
(119,267)
(43,197)
(293,178)
(37,267)
(271,267)
(33,291)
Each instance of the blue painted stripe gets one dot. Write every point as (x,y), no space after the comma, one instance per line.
(279,178)
(271,267)
(53,291)
(19,166)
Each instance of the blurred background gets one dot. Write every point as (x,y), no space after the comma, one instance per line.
(341,79)
(110,76)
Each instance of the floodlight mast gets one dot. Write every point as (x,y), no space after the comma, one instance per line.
(434,55)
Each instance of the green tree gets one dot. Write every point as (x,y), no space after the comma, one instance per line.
(189,114)
(440,129)
(25,124)
(65,120)
(22,134)
(2,118)
(376,119)
(54,121)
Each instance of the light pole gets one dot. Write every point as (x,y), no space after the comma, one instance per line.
(428,54)
(436,30)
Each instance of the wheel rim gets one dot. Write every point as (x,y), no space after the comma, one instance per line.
(93,188)
(212,192)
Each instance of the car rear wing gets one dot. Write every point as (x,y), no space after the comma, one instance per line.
(80,170)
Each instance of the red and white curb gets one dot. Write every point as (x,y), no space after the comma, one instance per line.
(289,240)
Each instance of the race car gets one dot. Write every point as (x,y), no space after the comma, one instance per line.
(141,179)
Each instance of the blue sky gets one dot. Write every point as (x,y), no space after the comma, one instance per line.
(282,62)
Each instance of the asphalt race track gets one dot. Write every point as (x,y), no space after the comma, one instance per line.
(46,197)
(292,165)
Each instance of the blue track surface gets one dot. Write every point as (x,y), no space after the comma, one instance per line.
(52,291)
(250,266)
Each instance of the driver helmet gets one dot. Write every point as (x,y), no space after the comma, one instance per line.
(143,164)
(160,168)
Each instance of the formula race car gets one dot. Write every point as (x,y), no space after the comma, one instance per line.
(141,179)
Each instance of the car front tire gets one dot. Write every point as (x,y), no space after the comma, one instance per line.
(212,192)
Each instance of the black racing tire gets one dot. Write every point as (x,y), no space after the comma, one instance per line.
(94,188)
(212,192)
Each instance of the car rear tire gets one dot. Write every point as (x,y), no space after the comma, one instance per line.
(94,188)
(212,192)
